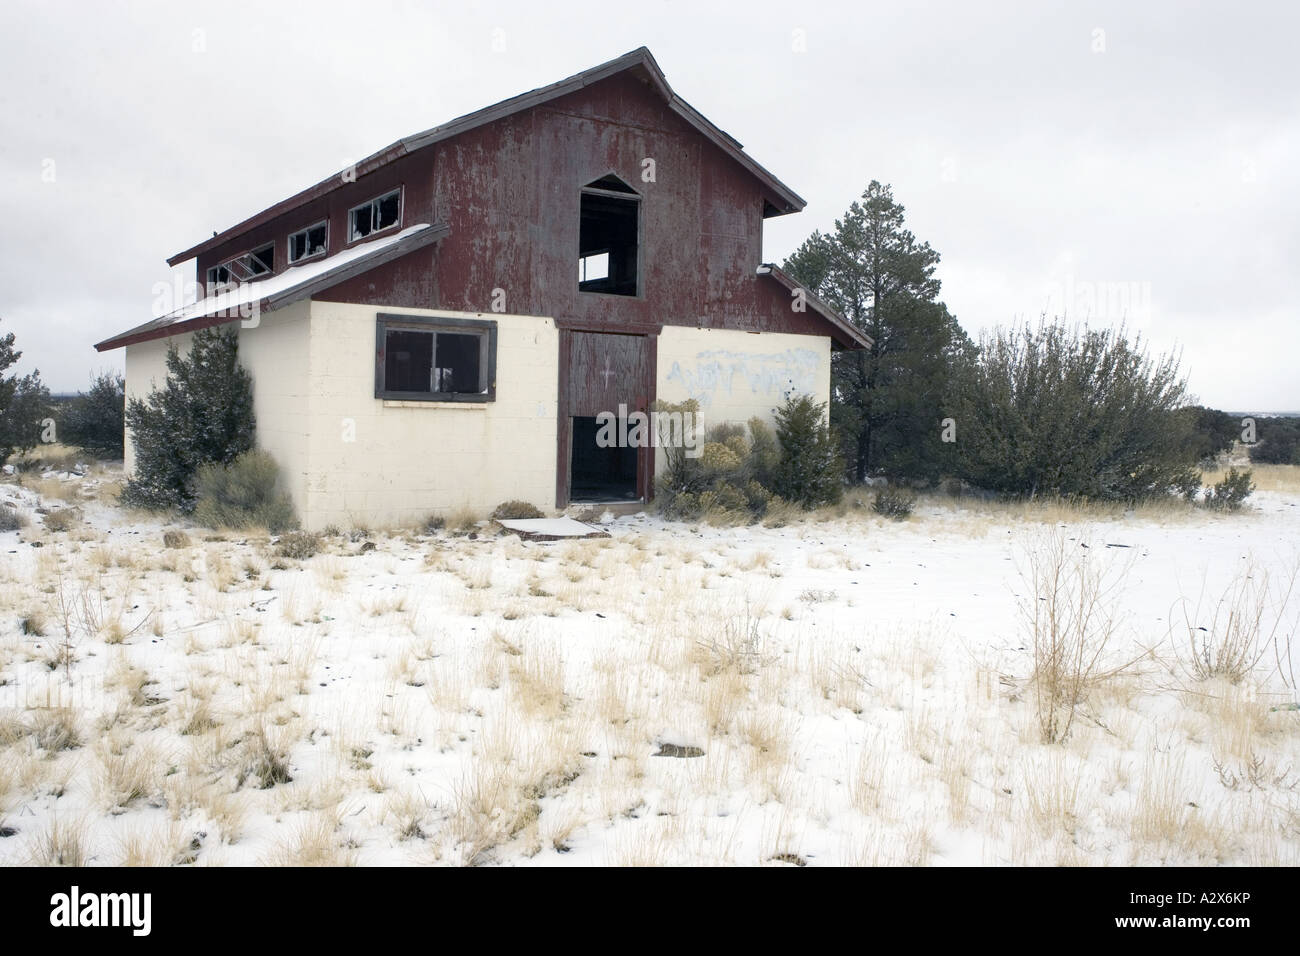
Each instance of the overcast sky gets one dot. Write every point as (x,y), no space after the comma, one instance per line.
(1125,160)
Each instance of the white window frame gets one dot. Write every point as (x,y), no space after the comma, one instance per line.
(311,255)
(213,284)
(374,207)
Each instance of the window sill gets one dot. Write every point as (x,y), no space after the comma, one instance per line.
(434,403)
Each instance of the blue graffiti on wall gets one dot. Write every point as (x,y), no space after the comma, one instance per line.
(774,374)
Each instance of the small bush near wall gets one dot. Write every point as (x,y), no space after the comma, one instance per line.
(810,471)
(203,414)
(513,510)
(243,494)
(740,472)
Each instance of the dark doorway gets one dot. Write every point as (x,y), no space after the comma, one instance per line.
(600,474)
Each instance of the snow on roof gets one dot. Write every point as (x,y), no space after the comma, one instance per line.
(249,292)
(296,282)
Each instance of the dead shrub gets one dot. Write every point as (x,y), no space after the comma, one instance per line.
(1229,640)
(1072,614)
(511,510)
(298,545)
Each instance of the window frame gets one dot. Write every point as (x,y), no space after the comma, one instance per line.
(631,196)
(211,284)
(487,328)
(314,255)
(372,202)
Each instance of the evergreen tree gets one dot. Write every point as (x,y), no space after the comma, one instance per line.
(94,419)
(1073,411)
(203,414)
(887,401)
(809,471)
(24,402)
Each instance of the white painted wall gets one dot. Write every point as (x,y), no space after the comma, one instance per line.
(275,352)
(406,461)
(351,459)
(736,376)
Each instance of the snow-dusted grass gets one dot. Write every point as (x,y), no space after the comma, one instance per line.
(846,689)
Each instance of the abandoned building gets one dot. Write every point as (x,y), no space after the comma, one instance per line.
(439,327)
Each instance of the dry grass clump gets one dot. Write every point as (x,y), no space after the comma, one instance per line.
(62,520)
(314,842)
(54,729)
(1247,620)
(509,510)
(133,772)
(263,759)
(63,843)
(1073,614)
(11,519)
(298,545)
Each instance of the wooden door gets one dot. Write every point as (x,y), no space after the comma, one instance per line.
(599,372)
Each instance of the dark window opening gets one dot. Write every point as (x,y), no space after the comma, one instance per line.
(436,360)
(458,367)
(375,216)
(217,277)
(307,243)
(607,238)
(408,361)
(259,262)
(600,474)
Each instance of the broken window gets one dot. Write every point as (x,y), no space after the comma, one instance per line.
(259,262)
(608,237)
(218,276)
(309,242)
(251,265)
(434,359)
(375,215)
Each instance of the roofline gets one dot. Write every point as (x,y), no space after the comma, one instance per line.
(641,57)
(152,330)
(853,338)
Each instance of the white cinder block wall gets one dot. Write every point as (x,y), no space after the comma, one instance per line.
(736,376)
(351,459)
(274,350)
(395,463)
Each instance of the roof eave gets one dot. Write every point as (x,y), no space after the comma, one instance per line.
(851,337)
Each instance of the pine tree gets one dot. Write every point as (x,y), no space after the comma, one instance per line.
(887,401)
(95,418)
(24,402)
(203,414)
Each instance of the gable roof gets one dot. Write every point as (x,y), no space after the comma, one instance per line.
(846,333)
(787,200)
(292,285)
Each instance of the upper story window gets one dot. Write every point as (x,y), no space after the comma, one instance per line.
(378,214)
(256,264)
(608,238)
(217,277)
(308,243)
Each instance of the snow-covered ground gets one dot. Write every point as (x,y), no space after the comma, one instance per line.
(841,690)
